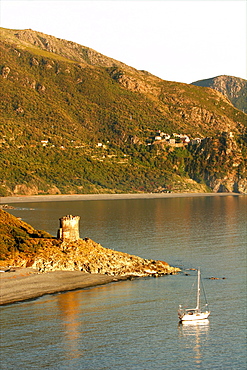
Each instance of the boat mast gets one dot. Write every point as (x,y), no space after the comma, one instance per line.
(198,290)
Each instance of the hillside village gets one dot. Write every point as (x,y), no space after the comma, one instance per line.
(159,138)
(176,140)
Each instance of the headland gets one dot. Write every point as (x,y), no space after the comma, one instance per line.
(34,263)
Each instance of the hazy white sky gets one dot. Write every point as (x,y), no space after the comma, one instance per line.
(177,40)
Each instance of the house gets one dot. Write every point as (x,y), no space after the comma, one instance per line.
(172,141)
(196,141)
(166,136)
(185,139)
(44,142)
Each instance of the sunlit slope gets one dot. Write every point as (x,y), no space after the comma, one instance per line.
(234,88)
(74,120)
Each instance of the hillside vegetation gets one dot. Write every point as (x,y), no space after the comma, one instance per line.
(18,237)
(75,121)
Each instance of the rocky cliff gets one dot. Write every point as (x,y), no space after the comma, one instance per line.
(23,246)
(234,88)
(220,162)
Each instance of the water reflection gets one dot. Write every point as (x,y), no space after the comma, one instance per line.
(69,312)
(195,334)
(132,324)
(84,315)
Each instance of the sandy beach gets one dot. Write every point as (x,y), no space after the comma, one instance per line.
(22,284)
(74,197)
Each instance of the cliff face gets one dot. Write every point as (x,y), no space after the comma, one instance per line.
(234,88)
(23,246)
(220,163)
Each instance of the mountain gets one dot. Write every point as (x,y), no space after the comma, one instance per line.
(234,88)
(76,121)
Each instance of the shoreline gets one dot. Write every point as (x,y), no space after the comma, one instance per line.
(74,197)
(25,284)
(22,284)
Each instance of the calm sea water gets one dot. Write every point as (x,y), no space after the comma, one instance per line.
(133,324)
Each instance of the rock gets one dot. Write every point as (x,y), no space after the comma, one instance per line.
(19,110)
(5,72)
(89,256)
(25,189)
(34,62)
(48,66)
(6,206)
(41,88)
(33,85)
(17,52)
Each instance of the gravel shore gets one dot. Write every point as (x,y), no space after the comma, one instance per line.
(22,284)
(72,197)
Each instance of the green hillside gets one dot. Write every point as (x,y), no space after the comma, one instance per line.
(75,121)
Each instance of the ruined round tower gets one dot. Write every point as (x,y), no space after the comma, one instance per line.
(69,228)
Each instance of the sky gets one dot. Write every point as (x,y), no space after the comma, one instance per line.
(176,40)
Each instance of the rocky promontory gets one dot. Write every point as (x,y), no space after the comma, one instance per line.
(23,246)
(34,263)
(88,256)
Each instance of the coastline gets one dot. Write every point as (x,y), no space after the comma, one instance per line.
(74,197)
(25,284)
(21,284)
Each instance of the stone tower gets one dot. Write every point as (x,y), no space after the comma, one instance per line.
(69,228)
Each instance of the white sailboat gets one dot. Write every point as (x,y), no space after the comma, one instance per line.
(193,314)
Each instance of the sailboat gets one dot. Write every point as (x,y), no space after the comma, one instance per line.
(192,314)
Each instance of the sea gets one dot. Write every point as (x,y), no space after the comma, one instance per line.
(133,325)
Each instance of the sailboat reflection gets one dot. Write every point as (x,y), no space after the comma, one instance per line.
(195,333)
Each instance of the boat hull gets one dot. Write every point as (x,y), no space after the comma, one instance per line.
(194,316)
